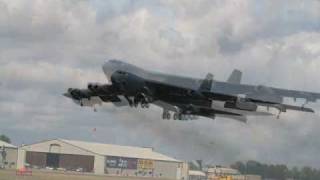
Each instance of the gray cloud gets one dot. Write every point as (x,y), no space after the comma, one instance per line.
(48,46)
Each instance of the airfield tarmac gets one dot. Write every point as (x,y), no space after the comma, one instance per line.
(41,175)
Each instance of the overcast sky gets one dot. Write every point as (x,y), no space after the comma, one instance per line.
(49,46)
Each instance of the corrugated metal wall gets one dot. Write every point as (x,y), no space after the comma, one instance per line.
(37,159)
(66,161)
(10,159)
(73,162)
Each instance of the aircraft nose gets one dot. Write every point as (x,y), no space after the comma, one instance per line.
(68,95)
(108,69)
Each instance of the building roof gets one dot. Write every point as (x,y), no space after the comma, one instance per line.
(7,145)
(196,173)
(120,151)
(223,170)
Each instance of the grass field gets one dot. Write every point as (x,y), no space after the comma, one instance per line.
(39,175)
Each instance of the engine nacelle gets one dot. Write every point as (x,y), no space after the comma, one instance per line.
(77,94)
(94,86)
(241,105)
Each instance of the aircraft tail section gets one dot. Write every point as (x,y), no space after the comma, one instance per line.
(206,83)
(235,77)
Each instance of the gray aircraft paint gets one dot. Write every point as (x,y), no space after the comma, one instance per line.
(113,65)
(261,96)
(231,87)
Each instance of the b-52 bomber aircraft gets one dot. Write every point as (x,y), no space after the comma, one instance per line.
(184,98)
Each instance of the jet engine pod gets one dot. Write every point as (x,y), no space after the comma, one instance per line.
(241,104)
(93,86)
(76,94)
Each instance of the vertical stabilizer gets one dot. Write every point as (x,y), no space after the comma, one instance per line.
(207,83)
(235,77)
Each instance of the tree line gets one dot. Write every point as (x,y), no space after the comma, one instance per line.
(5,138)
(278,171)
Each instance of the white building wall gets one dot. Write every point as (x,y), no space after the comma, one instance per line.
(21,158)
(121,172)
(171,170)
(11,158)
(99,164)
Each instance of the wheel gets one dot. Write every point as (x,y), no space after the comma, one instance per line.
(168,116)
(147,105)
(164,116)
(175,116)
(180,117)
(184,117)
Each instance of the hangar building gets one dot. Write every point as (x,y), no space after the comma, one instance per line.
(8,155)
(99,158)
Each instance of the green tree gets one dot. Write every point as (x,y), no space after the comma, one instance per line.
(294,173)
(279,172)
(5,138)
(240,166)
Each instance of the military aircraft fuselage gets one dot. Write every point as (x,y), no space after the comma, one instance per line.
(185,95)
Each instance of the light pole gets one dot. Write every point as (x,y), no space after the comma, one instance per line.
(3,156)
(245,176)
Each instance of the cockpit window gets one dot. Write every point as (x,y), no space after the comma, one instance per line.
(115,61)
(122,73)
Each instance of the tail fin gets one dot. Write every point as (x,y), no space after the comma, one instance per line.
(207,83)
(235,77)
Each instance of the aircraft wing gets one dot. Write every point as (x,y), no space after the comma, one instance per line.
(96,94)
(203,108)
(207,112)
(268,99)
(261,96)
(262,92)
(309,96)
(285,107)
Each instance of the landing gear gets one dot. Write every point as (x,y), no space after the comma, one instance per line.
(166,115)
(175,116)
(144,105)
(139,99)
(129,101)
(278,116)
(81,102)
(178,116)
(185,117)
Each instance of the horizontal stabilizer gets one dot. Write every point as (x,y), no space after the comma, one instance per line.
(235,77)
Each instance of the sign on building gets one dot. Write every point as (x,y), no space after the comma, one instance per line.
(145,164)
(120,162)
